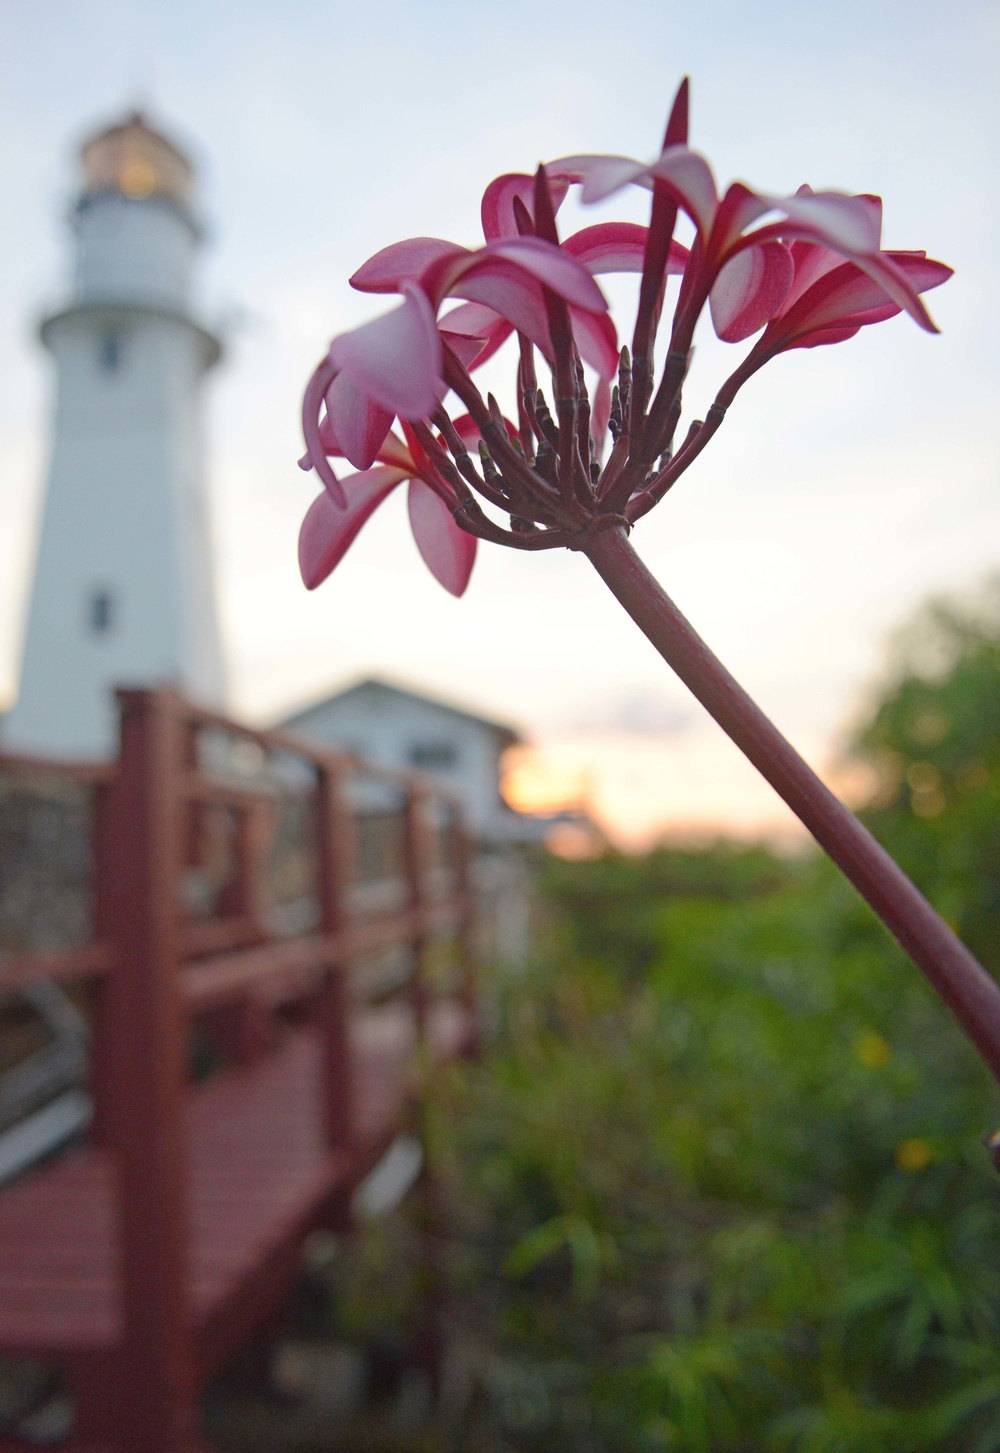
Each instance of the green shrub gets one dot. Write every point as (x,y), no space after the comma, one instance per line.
(719,1183)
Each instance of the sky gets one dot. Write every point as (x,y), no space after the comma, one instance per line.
(848,484)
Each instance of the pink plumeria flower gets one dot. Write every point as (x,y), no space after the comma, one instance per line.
(329,528)
(439,266)
(747,274)
(607,247)
(828,301)
(392,366)
(506,278)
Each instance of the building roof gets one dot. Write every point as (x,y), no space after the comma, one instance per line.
(507,734)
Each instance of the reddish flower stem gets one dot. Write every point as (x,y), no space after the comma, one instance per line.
(970,993)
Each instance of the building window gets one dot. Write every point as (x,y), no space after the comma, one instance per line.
(109,350)
(435,756)
(101,612)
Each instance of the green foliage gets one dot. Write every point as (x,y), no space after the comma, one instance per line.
(719,1183)
(934,741)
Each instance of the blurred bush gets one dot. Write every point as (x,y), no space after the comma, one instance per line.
(719,1183)
(934,739)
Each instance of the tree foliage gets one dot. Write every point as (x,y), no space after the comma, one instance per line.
(934,740)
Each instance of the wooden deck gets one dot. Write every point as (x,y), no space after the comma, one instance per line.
(142,1261)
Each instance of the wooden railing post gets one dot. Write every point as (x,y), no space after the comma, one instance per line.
(416,877)
(142,1075)
(245,1030)
(246,896)
(432,1318)
(467,930)
(336,875)
(102,1068)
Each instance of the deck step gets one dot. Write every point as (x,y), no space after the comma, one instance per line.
(260,1177)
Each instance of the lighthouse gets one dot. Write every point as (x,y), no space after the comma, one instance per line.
(123,590)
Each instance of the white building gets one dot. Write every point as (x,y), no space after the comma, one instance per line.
(123,590)
(400,728)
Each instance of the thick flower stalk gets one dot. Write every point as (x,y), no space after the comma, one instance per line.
(604,440)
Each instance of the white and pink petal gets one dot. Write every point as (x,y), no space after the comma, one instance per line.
(849,224)
(516,297)
(750,290)
(316,453)
(396,359)
(448,552)
(850,295)
(618,247)
(354,423)
(497,208)
(475,332)
(598,176)
(466,348)
(550,265)
(738,208)
(389,268)
(328,530)
(811,263)
(688,177)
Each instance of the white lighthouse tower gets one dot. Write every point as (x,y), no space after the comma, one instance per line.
(123,589)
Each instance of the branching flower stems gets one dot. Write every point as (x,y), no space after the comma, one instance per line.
(548,482)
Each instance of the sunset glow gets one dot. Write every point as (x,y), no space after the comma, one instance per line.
(641,789)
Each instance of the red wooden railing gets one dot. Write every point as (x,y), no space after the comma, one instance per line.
(181,1291)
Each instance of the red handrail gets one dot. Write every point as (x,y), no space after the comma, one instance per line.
(155,968)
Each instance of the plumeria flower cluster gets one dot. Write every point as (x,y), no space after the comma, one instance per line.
(786,272)
(797,271)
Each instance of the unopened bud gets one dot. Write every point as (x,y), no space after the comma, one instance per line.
(486,458)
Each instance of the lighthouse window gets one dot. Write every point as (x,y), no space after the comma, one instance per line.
(109,351)
(101,612)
